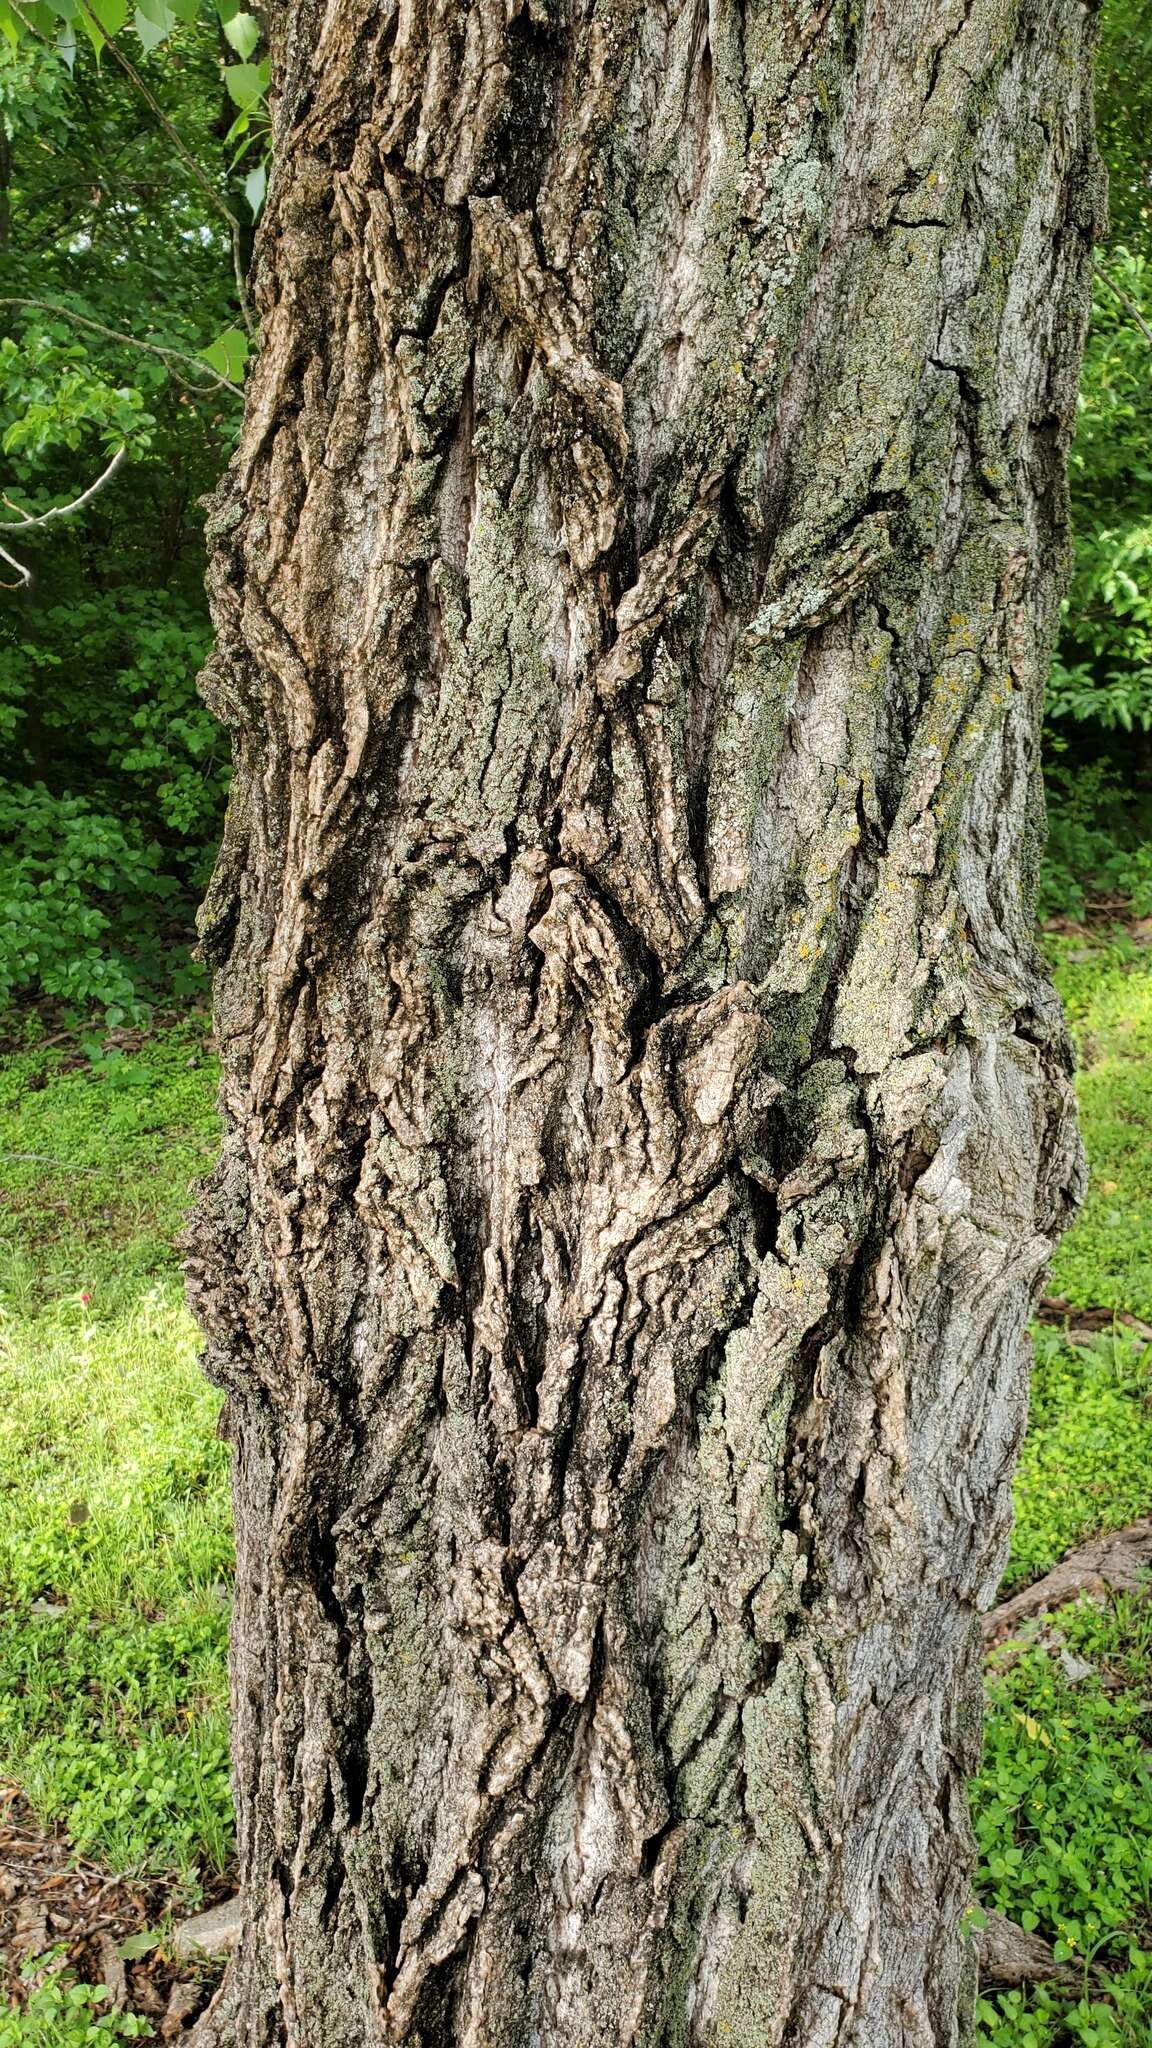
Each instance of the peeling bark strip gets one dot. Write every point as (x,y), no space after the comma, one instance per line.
(647,1120)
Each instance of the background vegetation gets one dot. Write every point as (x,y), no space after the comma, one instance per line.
(130,174)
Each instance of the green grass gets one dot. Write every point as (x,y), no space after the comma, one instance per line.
(115,1544)
(1087,1459)
(1106,1258)
(96,1166)
(113,1510)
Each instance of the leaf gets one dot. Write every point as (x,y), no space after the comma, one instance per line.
(228,354)
(101,19)
(255,187)
(155,21)
(38,16)
(243,32)
(137,1945)
(246,84)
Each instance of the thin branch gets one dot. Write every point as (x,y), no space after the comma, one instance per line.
(30,519)
(1129,305)
(49,1159)
(199,173)
(62,511)
(23,572)
(152,348)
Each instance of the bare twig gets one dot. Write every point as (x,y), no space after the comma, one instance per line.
(46,1159)
(152,348)
(1129,305)
(23,573)
(29,519)
(62,511)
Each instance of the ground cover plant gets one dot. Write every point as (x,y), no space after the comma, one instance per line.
(114,1532)
(1107,1259)
(1063,1804)
(1086,1465)
(1063,1816)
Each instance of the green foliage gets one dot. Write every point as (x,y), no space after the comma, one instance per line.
(60,862)
(151,23)
(60,2013)
(1099,850)
(1063,1818)
(113,774)
(1124,116)
(1099,780)
(1098,783)
(1088,1452)
(51,394)
(1103,671)
(98,876)
(229,354)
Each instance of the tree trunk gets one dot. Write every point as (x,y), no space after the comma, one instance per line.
(646,1117)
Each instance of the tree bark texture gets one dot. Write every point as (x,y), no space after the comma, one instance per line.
(646,1117)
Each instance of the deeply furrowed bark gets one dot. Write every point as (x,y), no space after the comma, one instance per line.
(646,1117)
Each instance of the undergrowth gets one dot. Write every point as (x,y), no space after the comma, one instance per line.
(115,1540)
(1063,1817)
(1062,1807)
(60,2013)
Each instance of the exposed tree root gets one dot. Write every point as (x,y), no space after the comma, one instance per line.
(1008,1956)
(1116,1562)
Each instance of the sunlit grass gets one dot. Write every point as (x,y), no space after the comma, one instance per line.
(1087,1458)
(1106,1259)
(115,1539)
(115,1560)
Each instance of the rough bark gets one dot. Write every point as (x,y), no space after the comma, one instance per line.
(646,1117)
